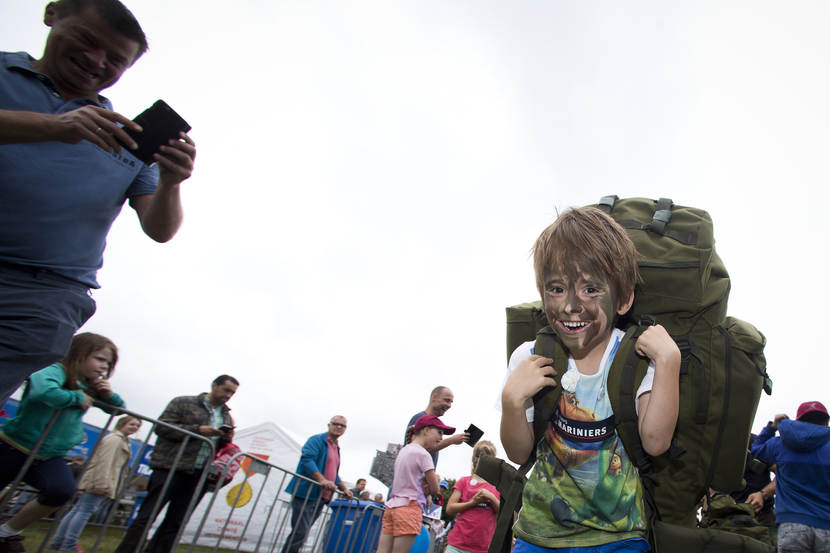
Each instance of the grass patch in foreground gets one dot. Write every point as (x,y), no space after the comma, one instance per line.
(112,537)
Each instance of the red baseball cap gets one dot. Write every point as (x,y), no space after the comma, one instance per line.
(432,420)
(810,407)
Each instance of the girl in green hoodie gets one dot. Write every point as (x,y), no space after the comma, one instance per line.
(69,388)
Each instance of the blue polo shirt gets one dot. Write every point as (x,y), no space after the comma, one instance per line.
(58,201)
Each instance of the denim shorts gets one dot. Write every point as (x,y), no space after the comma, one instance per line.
(40,311)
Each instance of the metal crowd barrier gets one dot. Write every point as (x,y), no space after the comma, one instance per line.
(343,527)
(249,514)
(127,470)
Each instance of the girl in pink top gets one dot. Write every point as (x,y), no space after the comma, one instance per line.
(476,504)
(414,475)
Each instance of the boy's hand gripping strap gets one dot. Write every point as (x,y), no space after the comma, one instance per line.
(508,480)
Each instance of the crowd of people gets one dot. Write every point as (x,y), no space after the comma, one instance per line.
(60,395)
(416,483)
(69,387)
(64,392)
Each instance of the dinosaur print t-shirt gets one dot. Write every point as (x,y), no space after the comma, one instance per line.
(583,490)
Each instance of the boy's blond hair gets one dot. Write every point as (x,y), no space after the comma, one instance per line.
(585,239)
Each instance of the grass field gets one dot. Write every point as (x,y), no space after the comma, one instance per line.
(34,537)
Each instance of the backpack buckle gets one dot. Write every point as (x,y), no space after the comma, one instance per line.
(646,320)
(675,451)
(644,467)
(661,217)
(606,203)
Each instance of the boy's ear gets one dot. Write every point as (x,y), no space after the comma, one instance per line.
(624,306)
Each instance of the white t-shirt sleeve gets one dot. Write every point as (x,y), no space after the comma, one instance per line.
(648,381)
(519,354)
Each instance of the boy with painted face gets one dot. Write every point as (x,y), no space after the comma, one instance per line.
(583,490)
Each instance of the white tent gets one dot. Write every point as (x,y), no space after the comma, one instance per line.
(262,510)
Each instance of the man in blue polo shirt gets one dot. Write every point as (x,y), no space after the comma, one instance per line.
(64,178)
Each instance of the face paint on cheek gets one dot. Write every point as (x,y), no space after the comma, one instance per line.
(607,305)
(602,312)
(598,308)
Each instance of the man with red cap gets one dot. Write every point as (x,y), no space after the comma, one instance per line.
(802,488)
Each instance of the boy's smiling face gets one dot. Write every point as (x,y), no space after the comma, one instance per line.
(582,309)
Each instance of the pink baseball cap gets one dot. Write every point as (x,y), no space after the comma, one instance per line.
(810,407)
(432,420)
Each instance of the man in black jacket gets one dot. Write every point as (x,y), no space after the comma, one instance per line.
(205,414)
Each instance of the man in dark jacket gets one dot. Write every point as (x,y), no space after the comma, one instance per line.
(205,414)
(759,491)
(802,491)
(320,462)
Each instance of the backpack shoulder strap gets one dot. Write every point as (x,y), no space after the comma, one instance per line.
(624,377)
(546,399)
(508,480)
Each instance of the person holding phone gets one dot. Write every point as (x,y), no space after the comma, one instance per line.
(56,211)
(440,401)
(206,414)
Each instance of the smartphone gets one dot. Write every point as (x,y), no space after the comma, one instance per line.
(226,428)
(160,123)
(475,434)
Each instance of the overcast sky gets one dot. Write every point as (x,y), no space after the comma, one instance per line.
(371,177)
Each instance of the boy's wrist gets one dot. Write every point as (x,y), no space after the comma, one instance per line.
(668,360)
(512,402)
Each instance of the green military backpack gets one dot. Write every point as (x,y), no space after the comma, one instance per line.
(685,288)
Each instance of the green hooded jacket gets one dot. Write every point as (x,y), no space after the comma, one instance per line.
(43,396)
